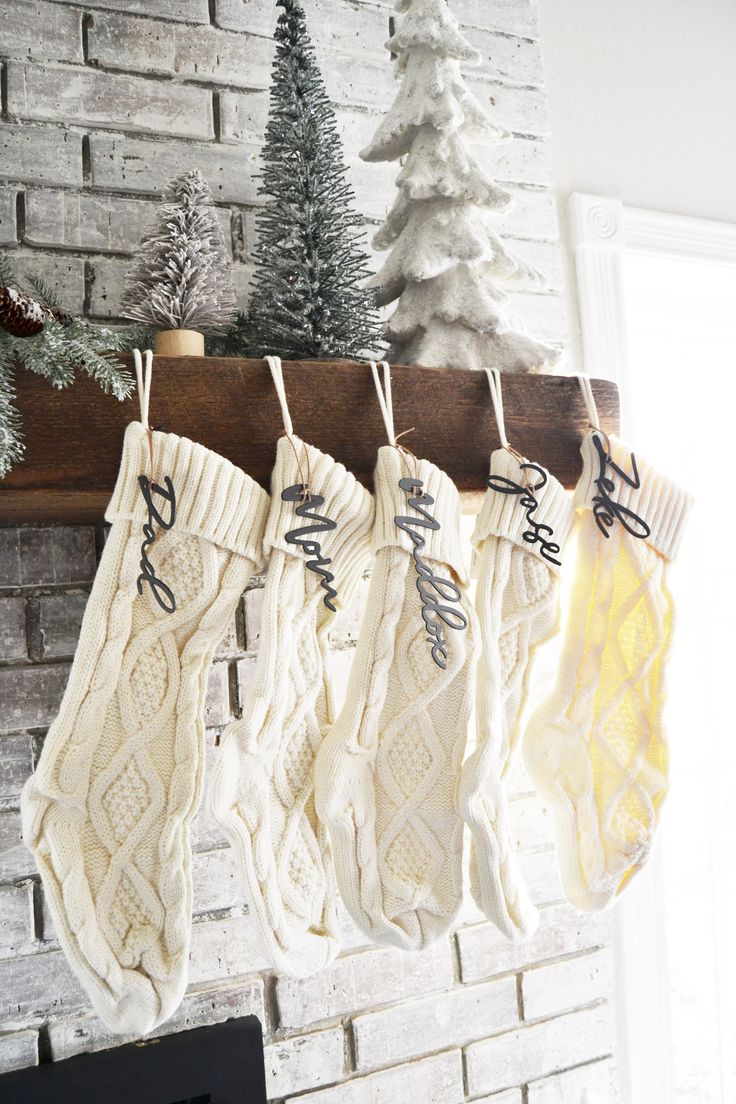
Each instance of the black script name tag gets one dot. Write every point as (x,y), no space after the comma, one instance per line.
(161,592)
(301,537)
(434,591)
(537,532)
(605,510)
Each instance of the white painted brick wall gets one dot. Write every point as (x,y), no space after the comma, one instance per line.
(103,101)
(538,1050)
(421,1027)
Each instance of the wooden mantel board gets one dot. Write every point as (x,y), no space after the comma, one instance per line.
(73,438)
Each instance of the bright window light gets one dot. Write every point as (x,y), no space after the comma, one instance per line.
(681,321)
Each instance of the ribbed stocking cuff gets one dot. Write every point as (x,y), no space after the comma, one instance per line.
(657,502)
(214,499)
(503,515)
(443,545)
(346,502)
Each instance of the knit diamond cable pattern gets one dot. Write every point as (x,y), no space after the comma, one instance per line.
(596,748)
(387,772)
(262,789)
(107,812)
(519,542)
(516,602)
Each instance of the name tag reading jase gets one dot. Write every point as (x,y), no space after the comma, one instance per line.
(434,591)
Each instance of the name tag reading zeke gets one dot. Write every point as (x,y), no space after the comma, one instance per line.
(434,591)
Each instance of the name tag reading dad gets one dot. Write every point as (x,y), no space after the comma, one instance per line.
(434,591)
(311,547)
(161,592)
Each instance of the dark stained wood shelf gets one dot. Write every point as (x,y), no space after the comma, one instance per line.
(74,437)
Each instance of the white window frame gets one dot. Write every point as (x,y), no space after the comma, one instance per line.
(604,231)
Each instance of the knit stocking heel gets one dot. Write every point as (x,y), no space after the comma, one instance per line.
(387,772)
(107,812)
(519,540)
(262,787)
(595,748)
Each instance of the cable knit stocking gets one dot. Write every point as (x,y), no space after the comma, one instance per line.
(107,812)
(262,788)
(519,542)
(387,772)
(595,748)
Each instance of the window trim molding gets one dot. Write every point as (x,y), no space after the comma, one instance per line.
(603,232)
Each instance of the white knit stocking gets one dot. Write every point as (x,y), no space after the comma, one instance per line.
(107,812)
(519,540)
(595,747)
(387,773)
(262,788)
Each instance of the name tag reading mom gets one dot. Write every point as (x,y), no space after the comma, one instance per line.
(434,591)
(310,547)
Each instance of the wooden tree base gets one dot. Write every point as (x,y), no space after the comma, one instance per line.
(179,343)
(74,437)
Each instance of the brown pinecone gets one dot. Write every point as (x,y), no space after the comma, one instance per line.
(21,315)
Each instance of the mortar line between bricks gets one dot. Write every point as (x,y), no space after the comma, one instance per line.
(569,1069)
(45,590)
(599,1002)
(95,67)
(214,83)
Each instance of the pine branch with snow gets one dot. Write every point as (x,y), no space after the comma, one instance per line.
(181,279)
(447,266)
(40,337)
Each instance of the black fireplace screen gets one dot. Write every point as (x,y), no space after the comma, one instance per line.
(222,1064)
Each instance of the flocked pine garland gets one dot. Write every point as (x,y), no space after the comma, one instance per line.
(58,344)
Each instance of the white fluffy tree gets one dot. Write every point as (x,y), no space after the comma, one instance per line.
(181,278)
(447,267)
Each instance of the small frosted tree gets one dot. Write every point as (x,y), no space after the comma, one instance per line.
(308,297)
(181,279)
(447,267)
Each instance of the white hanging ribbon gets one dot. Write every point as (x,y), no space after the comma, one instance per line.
(385,400)
(494,383)
(588,398)
(277,373)
(143,382)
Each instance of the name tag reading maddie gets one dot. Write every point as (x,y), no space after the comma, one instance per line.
(605,510)
(301,537)
(537,532)
(161,592)
(434,591)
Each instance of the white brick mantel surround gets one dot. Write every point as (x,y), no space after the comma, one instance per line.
(101,103)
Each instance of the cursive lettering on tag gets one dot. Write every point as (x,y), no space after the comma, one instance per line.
(161,592)
(434,591)
(605,510)
(318,563)
(538,532)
